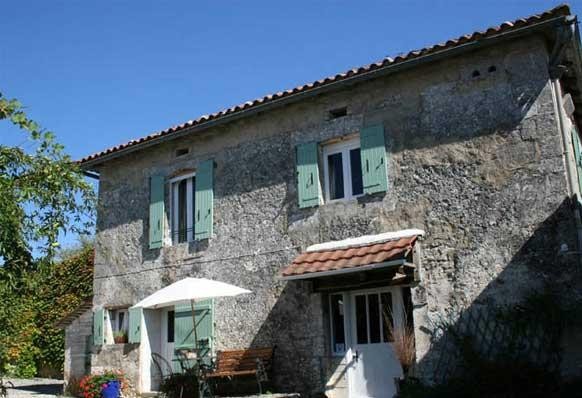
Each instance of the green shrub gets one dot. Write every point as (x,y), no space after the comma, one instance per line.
(30,343)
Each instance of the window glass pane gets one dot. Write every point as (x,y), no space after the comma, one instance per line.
(170,326)
(361,320)
(193,209)
(387,319)
(336,176)
(113,319)
(120,325)
(182,210)
(374,317)
(338,339)
(356,168)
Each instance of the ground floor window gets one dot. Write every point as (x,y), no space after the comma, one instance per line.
(338,336)
(119,323)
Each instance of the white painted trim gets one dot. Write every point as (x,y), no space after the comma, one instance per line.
(397,307)
(345,270)
(365,240)
(181,177)
(343,147)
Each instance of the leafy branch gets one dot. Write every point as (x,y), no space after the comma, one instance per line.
(42,193)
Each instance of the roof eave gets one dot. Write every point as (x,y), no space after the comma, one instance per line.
(360,268)
(335,85)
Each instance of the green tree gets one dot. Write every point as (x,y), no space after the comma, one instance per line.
(42,193)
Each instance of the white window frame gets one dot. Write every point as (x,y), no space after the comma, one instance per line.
(343,147)
(397,312)
(114,323)
(335,352)
(111,326)
(189,207)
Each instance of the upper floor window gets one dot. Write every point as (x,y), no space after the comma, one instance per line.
(183,193)
(342,170)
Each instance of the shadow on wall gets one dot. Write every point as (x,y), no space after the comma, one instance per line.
(520,316)
(296,324)
(294,328)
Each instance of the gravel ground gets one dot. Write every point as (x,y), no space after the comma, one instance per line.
(51,388)
(37,388)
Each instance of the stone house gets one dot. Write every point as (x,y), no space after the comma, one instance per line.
(444,178)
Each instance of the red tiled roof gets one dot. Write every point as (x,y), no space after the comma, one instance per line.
(338,259)
(561,10)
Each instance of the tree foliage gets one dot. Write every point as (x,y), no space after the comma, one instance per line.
(67,285)
(32,343)
(43,194)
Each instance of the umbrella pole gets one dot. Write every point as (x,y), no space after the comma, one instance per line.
(197,351)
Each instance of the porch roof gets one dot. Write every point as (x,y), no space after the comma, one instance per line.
(350,255)
(70,317)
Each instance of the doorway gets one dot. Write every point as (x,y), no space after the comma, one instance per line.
(374,315)
(167,343)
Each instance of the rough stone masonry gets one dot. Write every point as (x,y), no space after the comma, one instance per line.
(474,159)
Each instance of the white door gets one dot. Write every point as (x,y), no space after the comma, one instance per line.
(168,340)
(374,365)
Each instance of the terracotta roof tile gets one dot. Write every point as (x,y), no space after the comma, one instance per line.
(329,260)
(561,10)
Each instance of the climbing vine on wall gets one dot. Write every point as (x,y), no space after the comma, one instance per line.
(43,194)
(31,343)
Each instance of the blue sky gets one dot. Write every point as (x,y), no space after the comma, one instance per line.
(99,73)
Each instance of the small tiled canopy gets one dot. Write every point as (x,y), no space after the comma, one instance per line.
(343,256)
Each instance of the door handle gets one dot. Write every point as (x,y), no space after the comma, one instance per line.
(356,356)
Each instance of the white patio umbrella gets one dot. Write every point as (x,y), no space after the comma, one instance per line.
(190,290)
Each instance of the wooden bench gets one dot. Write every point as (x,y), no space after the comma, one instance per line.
(255,362)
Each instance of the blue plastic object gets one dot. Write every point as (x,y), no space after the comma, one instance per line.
(112,390)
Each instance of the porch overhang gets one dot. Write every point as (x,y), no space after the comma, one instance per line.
(365,253)
(70,317)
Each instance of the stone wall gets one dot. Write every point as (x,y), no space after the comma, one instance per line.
(475,161)
(78,347)
(123,357)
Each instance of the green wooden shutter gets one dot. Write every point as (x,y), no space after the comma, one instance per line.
(373,155)
(98,327)
(577,156)
(203,200)
(184,332)
(308,187)
(134,334)
(205,328)
(156,211)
